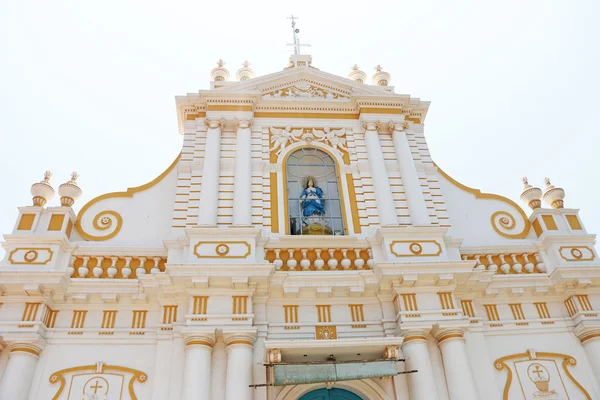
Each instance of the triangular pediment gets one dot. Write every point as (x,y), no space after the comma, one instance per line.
(305,83)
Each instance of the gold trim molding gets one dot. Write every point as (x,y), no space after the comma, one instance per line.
(502,214)
(416,248)
(222,249)
(500,364)
(98,368)
(129,193)
(31,256)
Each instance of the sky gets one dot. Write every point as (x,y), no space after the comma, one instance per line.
(90,86)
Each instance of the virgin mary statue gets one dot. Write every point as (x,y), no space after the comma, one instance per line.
(312,197)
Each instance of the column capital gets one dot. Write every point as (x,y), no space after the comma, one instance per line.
(214,123)
(588,335)
(370,125)
(207,339)
(243,123)
(443,334)
(33,348)
(414,336)
(397,126)
(239,338)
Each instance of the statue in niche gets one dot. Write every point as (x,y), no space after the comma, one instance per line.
(312,202)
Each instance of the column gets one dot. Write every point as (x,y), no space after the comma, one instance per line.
(410,179)
(421,384)
(590,339)
(379,175)
(18,374)
(239,367)
(209,192)
(459,377)
(197,371)
(242,185)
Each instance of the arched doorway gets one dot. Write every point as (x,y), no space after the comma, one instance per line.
(330,394)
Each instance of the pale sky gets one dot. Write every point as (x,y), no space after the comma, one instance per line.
(90,86)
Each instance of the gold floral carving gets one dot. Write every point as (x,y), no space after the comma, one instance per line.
(501,364)
(325,332)
(99,368)
(508,221)
(303,89)
(98,219)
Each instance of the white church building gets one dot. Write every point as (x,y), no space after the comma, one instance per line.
(303,245)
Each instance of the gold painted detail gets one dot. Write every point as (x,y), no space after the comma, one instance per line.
(574,223)
(418,248)
(111,221)
(138,319)
(274,202)
(26,348)
(78,320)
(325,332)
(542,310)
(108,319)
(357,313)
(549,222)
(30,256)
(538,375)
(410,301)
(50,317)
(215,249)
(491,311)
(245,342)
(576,253)
(324,312)
(447,336)
(94,379)
(411,338)
(446,300)
(30,312)
(200,305)
(169,314)
(499,226)
(199,342)
(240,304)
(26,222)
(467,307)
(291,314)
(517,311)
(115,267)
(56,222)
(537,228)
(319,259)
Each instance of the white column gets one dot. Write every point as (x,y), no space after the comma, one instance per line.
(379,175)
(421,384)
(410,179)
(219,369)
(242,184)
(197,371)
(209,192)
(591,343)
(18,375)
(459,377)
(239,368)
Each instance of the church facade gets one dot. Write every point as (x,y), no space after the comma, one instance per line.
(303,245)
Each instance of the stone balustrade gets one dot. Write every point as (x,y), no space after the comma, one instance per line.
(320,259)
(82,266)
(508,263)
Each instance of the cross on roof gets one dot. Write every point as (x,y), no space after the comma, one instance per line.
(295,31)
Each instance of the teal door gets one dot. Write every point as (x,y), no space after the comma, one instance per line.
(330,394)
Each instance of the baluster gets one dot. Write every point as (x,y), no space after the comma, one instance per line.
(478,264)
(332,263)
(71,267)
(112,270)
(140,270)
(504,266)
(358,261)
(291,262)
(370,261)
(155,269)
(528,264)
(305,262)
(517,266)
(278,262)
(540,266)
(83,270)
(492,266)
(346,263)
(126,271)
(319,262)
(97,271)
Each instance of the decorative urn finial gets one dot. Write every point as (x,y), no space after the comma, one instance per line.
(245,72)
(381,78)
(220,73)
(69,191)
(531,195)
(42,192)
(552,195)
(357,75)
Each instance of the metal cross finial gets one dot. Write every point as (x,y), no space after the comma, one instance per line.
(245,64)
(220,63)
(378,68)
(355,67)
(296,43)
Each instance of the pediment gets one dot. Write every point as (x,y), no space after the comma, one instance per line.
(304,84)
